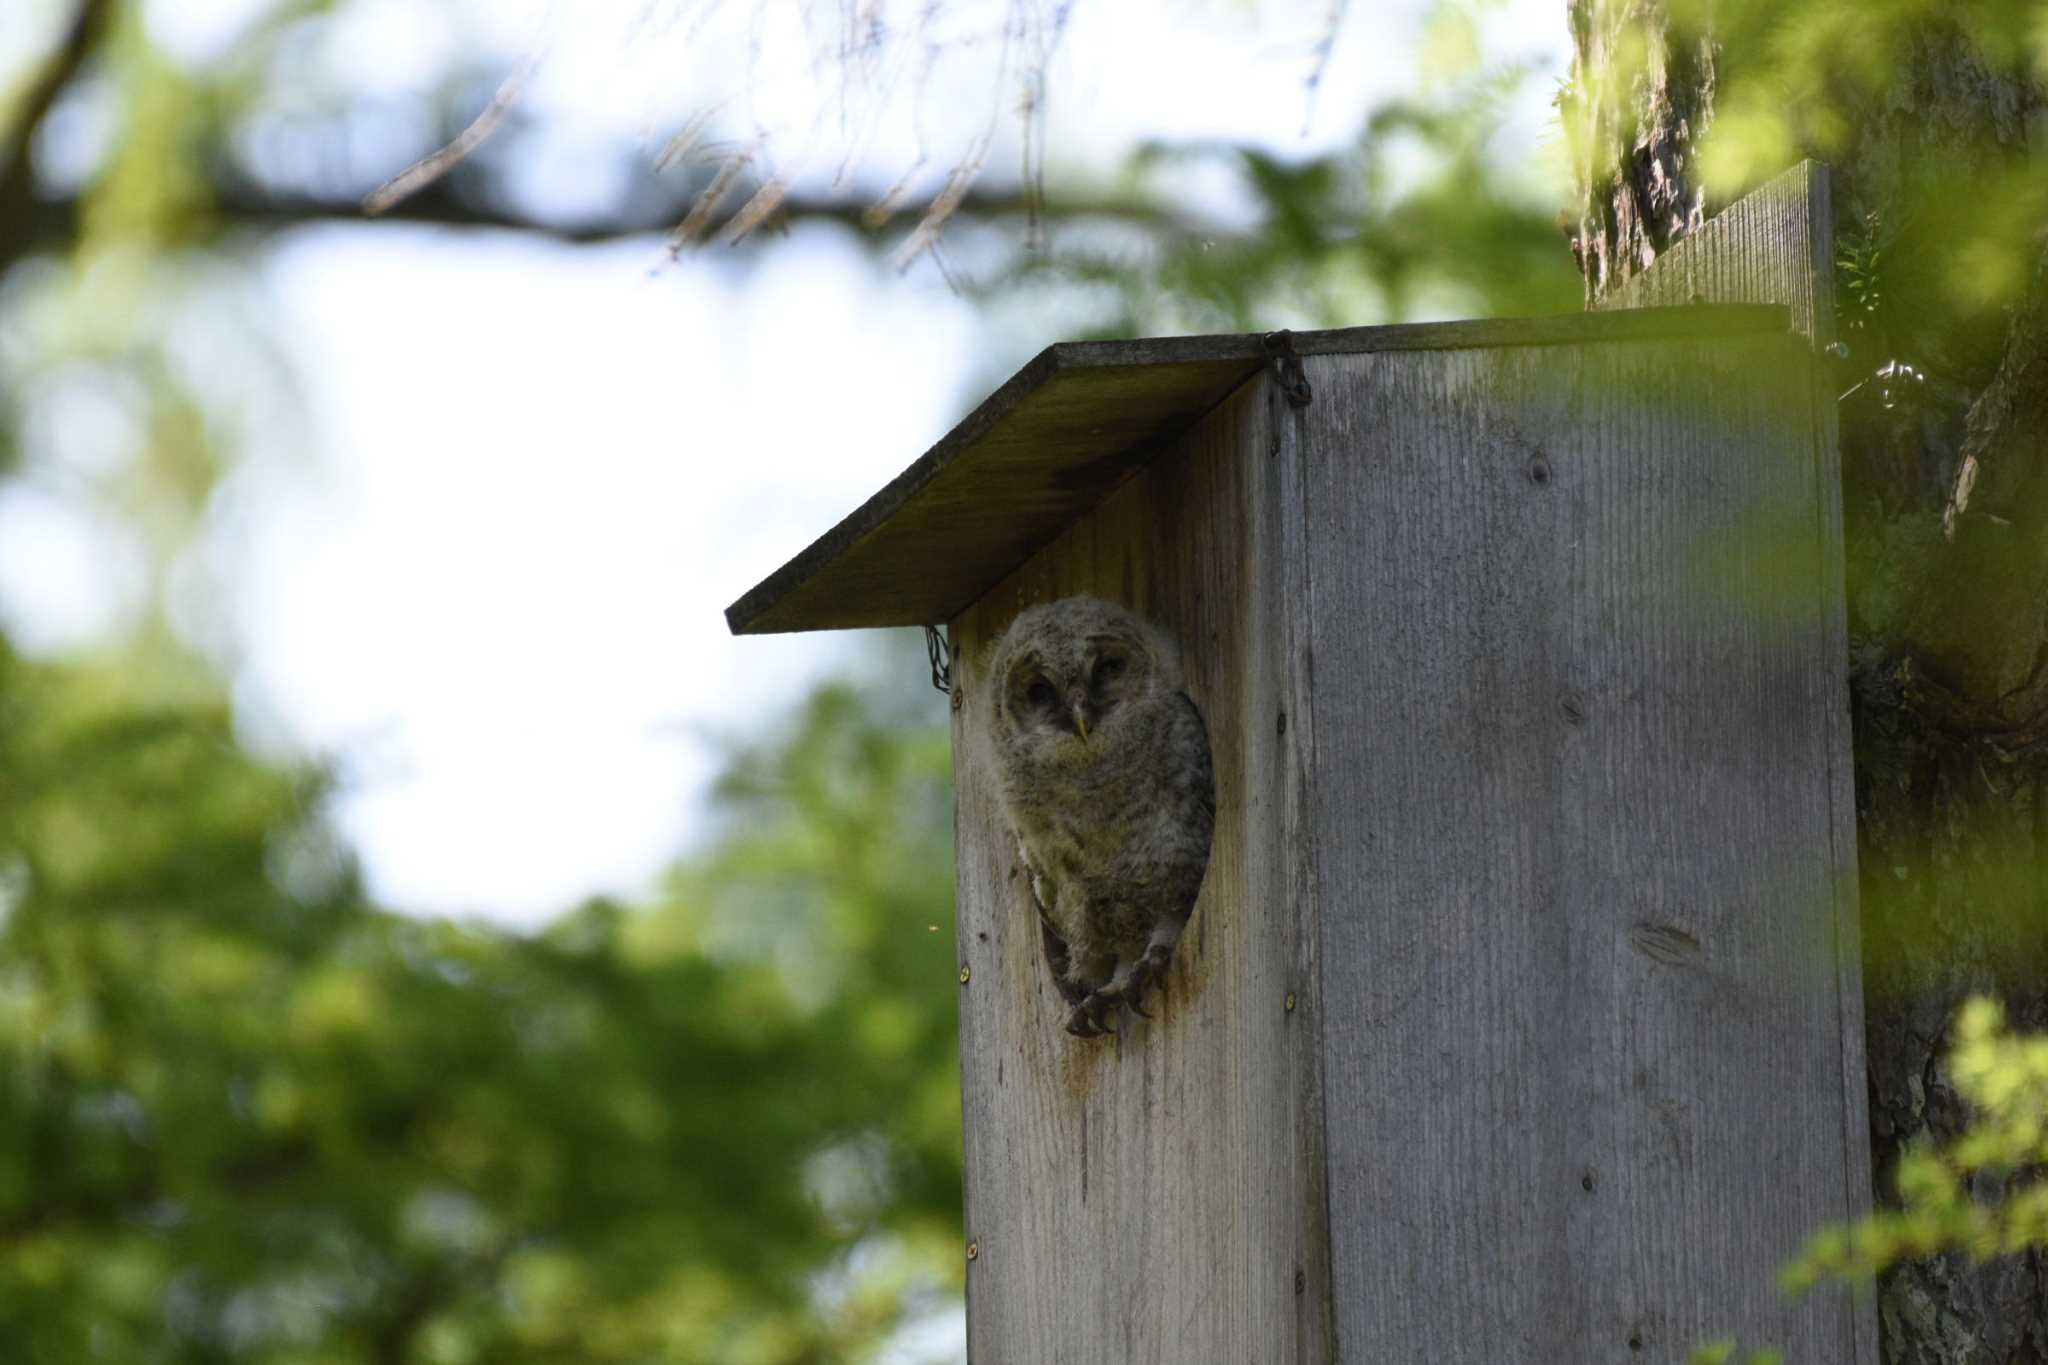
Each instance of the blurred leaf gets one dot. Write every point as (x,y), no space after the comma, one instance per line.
(1981,1194)
(239,1120)
(1419,219)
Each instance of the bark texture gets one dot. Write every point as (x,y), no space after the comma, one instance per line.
(1642,92)
(1944,424)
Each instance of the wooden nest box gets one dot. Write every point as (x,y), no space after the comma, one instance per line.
(1519,1016)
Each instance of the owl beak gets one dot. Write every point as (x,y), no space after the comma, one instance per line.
(1081,719)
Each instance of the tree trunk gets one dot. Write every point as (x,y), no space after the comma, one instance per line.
(1944,424)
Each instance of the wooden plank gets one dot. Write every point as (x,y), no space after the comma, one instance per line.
(1159,1197)
(1773,245)
(1037,454)
(1642,323)
(1064,431)
(1575,686)
(1776,245)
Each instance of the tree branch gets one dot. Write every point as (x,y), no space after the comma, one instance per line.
(1978,613)
(17,177)
(241,204)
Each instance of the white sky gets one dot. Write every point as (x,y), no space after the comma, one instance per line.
(493,587)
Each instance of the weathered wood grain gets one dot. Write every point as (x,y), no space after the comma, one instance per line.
(1158,1197)
(1776,245)
(1064,431)
(1575,691)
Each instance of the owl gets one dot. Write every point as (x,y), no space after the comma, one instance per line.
(1102,764)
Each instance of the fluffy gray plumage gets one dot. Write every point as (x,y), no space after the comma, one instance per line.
(1103,766)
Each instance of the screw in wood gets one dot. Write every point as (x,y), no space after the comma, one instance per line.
(965,972)
(1290,1002)
(973,1250)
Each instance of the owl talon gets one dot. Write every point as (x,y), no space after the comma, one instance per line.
(1148,975)
(1094,1016)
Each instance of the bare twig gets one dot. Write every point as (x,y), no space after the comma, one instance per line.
(685,141)
(698,220)
(1333,24)
(756,210)
(944,207)
(2008,408)
(877,215)
(968,168)
(427,170)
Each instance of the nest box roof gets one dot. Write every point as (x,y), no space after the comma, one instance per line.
(1046,446)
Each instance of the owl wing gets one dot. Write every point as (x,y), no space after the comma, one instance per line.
(1192,808)
(1203,774)
(1059,959)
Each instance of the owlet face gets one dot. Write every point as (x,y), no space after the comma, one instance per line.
(1068,673)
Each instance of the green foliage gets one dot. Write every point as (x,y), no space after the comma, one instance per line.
(246,1116)
(1912,103)
(1723,1353)
(1418,218)
(1982,1194)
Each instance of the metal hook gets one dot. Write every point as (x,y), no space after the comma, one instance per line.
(941,655)
(1287,368)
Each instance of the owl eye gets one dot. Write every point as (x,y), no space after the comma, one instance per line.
(1108,670)
(1040,693)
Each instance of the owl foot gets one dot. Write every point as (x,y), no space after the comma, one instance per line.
(1093,1017)
(1148,974)
(1128,996)
(1095,1013)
